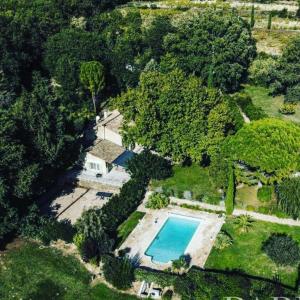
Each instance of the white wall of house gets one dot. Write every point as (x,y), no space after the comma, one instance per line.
(95,164)
(106,134)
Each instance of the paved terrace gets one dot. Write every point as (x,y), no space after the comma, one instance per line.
(70,204)
(199,247)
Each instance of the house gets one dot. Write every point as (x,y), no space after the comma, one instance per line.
(105,161)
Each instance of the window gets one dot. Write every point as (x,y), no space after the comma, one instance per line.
(94,166)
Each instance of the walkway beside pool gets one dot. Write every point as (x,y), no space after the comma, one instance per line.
(199,247)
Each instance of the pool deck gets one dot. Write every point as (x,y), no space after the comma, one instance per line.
(199,247)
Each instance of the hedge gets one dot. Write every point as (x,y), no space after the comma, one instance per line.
(162,279)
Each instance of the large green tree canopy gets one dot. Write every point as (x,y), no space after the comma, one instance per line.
(271,146)
(213,44)
(176,115)
(287,71)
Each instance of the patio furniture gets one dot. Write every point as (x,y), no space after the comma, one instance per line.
(155,293)
(144,289)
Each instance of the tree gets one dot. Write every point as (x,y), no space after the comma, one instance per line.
(149,166)
(229,200)
(287,73)
(267,148)
(209,38)
(64,54)
(293,94)
(92,77)
(95,241)
(270,21)
(244,223)
(118,271)
(252,20)
(183,262)
(176,115)
(288,196)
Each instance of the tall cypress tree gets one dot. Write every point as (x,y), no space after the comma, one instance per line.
(252,20)
(270,21)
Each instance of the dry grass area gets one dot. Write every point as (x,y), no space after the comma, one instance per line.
(272,42)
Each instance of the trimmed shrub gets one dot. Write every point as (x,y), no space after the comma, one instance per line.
(118,271)
(282,249)
(157,201)
(288,196)
(287,109)
(264,193)
(229,200)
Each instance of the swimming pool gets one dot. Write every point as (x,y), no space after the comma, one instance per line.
(172,239)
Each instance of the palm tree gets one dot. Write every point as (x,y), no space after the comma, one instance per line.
(244,223)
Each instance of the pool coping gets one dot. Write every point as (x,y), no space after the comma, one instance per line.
(198,248)
(161,228)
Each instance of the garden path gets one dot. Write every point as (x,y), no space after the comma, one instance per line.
(238,212)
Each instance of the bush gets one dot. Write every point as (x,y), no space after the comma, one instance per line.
(149,166)
(118,271)
(287,109)
(223,240)
(282,249)
(261,71)
(229,200)
(293,94)
(264,193)
(288,196)
(157,201)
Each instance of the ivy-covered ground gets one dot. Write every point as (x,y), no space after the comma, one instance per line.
(193,178)
(245,253)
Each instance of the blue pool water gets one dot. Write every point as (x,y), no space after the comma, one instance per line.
(172,240)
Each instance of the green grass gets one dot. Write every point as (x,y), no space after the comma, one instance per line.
(101,291)
(193,178)
(245,253)
(269,104)
(34,272)
(127,226)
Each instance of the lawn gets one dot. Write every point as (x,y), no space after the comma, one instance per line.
(269,104)
(127,226)
(195,179)
(245,253)
(101,291)
(34,272)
